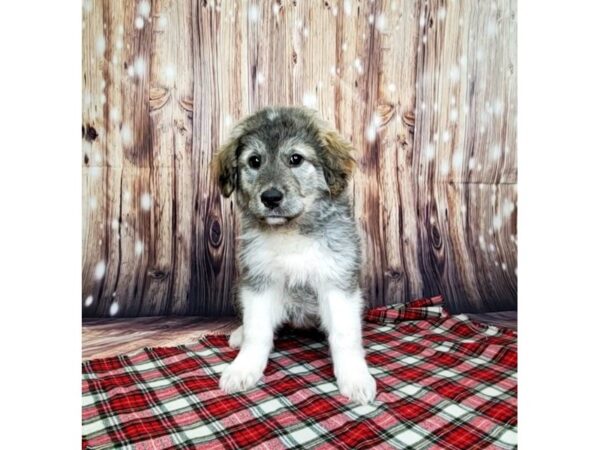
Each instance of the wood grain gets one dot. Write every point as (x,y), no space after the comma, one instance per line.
(425,90)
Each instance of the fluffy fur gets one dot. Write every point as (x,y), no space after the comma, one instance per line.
(299,259)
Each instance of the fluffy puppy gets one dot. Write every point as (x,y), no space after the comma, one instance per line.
(299,250)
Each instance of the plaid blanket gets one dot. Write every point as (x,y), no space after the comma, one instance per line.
(442,382)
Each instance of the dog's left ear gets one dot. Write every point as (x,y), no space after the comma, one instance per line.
(224,166)
(337,158)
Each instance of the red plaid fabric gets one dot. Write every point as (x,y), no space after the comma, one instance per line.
(442,382)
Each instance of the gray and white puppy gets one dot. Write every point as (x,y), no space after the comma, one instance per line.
(299,252)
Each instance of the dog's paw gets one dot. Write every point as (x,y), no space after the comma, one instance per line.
(358,386)
(235,340)
(238,377)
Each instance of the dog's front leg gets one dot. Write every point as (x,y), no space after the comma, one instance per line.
(262,312)
(341,317)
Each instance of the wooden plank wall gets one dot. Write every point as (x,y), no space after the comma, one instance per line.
(425,89)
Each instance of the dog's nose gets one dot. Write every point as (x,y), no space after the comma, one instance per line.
(271,198)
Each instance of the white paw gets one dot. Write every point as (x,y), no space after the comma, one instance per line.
(239,377)
(235,340)
(358,386)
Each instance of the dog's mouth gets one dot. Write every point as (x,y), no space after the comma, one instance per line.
(278,219)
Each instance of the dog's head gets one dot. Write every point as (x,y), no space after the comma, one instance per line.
(280,160)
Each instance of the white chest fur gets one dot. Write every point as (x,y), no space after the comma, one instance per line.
(297,259)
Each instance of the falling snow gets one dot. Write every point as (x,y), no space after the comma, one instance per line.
(114,114)
(422,21)
(126,135)
(453,115)
(497,222)
(89,300)
(507,208)
(170,73)
(144,8)
(430,152)
(260,78)
(114,224)
(358,65)
(146,201)
(309,100)
(253,13)
(162,22)
(454,74)
(445,136)
(93,203)
(139,247)
(381,22)
(139,23)
(347,7)
(100,45)
(444,168)
(139,66)
(495,152)
(100,270)
(392,87)
(114,308)
(457,159)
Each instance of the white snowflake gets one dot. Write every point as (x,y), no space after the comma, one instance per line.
(126,135)
(441,14)
(253,13)
(146,201)
(497,222)
(114,114)
(260,78)
(472,163)
(445,136)
(93,203)
(95,171)
(89,300)
(99,270)
(114,308)
(422,21)
(457,160)
(170,73)
(119,44)
(162,22)
(358,65)
(453,115)
(392,87)
(381,22)
(139,247)
(371,18)
(347,7)
(144,8)
(139,23)
(444,168)
(495,152)
(430,152)
(114,224)
(100,45)
(507,208)
(454,74)
(139,66)
(309,100)
(504,266)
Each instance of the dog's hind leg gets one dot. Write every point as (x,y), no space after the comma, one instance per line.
(235,340)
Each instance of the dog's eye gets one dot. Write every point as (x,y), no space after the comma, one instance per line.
(296,159)
(254,162)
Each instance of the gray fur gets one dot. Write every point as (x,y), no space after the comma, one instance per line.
(314,205)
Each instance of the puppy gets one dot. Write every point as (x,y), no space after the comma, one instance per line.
(299,250)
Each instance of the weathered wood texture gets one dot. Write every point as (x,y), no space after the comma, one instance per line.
(426,91)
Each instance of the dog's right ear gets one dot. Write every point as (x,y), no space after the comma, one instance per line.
(224,165)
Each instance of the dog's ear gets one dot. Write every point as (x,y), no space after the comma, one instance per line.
(337,158)
(224,165)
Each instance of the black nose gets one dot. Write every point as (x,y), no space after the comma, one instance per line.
(271,198)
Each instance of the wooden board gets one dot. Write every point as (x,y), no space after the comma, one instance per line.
(425,90)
